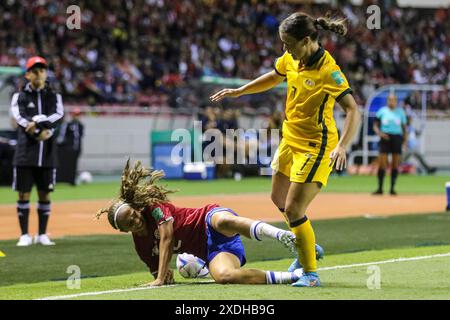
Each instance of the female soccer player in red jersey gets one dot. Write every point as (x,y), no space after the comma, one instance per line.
(211,232)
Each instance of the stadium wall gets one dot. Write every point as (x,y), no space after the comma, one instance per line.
(109,140)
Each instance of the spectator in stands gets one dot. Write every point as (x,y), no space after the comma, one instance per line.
(144,45)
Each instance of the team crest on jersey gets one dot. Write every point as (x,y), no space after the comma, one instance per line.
(31,105)
(309,83)
(337,77)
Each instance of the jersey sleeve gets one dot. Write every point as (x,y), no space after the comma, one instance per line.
(161,214)
(18,111)
(280,65)
(335,83)
(379,113)
(57,112)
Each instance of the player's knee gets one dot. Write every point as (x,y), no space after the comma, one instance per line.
(24,196)
(294,212)
(226,276)
(225,222)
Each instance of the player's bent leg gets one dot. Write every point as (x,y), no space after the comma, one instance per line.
(229,225)
(225,268)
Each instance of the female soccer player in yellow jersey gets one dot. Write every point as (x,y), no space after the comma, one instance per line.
(310,144)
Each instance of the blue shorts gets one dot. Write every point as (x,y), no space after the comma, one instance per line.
(217,242)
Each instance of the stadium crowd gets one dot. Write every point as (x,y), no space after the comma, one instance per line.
(141,52)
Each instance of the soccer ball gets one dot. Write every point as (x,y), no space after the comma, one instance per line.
(85,177)
(190,266)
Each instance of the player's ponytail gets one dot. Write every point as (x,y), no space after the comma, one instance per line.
(138,187)
(335,25)
(300,25)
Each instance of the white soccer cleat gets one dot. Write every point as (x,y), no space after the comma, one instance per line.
(44,240)
(25,241)
(287,238)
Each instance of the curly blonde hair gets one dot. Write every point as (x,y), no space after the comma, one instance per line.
(138,189)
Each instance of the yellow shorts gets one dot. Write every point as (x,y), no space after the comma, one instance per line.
(310,163)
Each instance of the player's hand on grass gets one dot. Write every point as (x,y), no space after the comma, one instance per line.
(339,156)
(156,283)
(168,279)
(233,93)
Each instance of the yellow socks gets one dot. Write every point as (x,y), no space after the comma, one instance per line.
(306,243)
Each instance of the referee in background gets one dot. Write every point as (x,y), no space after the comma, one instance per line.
(390,126)
(37,111)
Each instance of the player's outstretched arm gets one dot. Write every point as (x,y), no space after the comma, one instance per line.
(263,83)
(165,254)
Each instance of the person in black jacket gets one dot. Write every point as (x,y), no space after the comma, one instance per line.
(37,111)
(69,147)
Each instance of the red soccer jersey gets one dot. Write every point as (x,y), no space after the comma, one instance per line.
(189,232)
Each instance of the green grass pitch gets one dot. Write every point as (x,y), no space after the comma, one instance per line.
(108,262)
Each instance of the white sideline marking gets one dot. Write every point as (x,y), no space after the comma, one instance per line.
(441,255)
(101,292)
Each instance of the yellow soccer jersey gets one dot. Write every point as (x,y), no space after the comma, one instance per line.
(312,91)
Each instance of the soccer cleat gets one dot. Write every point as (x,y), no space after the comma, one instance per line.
(309,279)
(44,240)
(25,241)
(296,264)
(287,238)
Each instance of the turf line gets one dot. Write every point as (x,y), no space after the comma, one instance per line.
(441,255)
(386,261)
(101,292)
